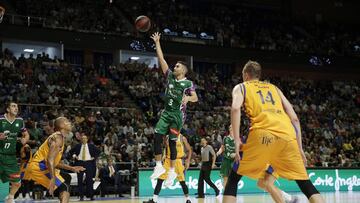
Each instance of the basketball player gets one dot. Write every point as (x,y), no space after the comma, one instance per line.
(181,144)
(44,167)
(11,127)
(274,137)
(179,91)
(228,148)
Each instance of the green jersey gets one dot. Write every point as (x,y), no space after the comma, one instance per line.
(12,131)
(229,144)
(175,91)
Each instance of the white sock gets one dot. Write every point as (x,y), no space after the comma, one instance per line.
(155,198)
(11,196)
(187,198)
(158,163)
(172,169)
(286,196)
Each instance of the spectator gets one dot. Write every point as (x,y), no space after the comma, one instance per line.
(128,129)
(108,148)
(108,177)
(149,130)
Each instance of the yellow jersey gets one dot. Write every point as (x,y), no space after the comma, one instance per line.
(180,152)
(263,106)
(42,153)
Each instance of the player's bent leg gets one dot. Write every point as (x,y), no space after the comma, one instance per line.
(225,179)
(231,187)
(63,192)
(310,191)
(173,136)
(64,189)
(64,197)
(14,179)
(173,153)
(158,140)
(159,169)
(261,184)
(157,190)
(185,190)
(14,188)
(158,186)
(268,185)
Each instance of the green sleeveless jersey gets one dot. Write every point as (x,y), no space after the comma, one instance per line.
(175,91)
(12,131)
(229,144)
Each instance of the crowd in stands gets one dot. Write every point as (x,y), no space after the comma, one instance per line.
(328,110)
(83,15)
(41,80)
(232,25)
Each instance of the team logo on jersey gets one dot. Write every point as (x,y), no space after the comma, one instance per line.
(182,84)
(17,125)
(171,86)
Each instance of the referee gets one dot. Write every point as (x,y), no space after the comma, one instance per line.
(208,157)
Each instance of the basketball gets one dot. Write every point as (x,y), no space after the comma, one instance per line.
(142,23)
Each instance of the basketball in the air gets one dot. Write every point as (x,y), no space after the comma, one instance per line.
(142,23)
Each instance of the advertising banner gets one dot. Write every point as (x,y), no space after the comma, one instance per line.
(323,179)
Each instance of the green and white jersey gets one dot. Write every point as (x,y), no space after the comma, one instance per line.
(229,144)
(12,131)
(175,91)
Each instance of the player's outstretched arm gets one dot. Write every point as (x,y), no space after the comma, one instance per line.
(164,66)
(237,102)
(294,120)
(75,169)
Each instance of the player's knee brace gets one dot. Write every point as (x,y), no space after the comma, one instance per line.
(172,146)
(184,187)
(158,139)
(307,188)
(65,186)
(158,186)
(232,184)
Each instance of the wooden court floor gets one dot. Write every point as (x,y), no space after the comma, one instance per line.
(330,197)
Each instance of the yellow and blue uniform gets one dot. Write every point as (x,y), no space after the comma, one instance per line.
(179,166)
(272,137)
(38,170)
